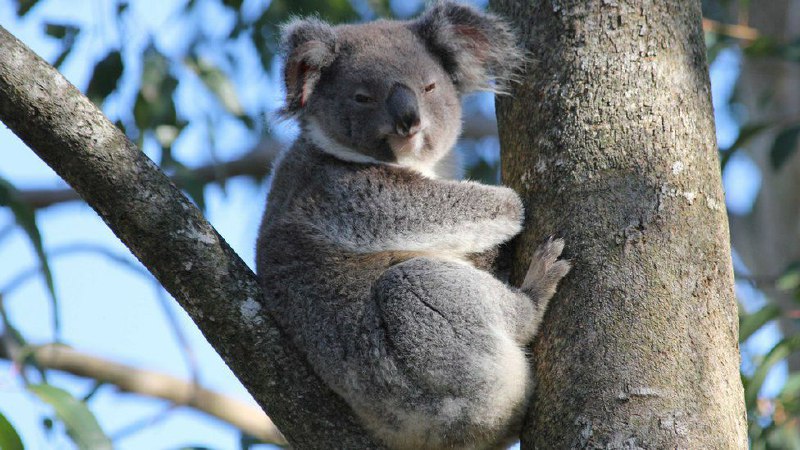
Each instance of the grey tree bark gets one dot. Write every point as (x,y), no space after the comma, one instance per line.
(168,234)
(610,140)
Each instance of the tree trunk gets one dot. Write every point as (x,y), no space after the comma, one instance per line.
(609,138)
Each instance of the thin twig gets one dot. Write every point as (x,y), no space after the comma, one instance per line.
(248,418)
(736,31)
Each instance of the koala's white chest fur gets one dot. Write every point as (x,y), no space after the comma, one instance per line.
(407,149)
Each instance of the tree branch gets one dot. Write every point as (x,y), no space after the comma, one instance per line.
(241,415)
(256,163)
(736,31)
(168,234)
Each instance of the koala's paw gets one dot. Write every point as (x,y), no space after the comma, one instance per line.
(545,271)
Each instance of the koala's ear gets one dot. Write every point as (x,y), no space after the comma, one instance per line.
(477,49)
(309,45)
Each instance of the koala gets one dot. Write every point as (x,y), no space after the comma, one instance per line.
(369,255)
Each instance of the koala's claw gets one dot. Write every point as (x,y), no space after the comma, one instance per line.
(545,271)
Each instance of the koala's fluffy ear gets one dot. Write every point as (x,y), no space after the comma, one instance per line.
(477,49)
(309,46)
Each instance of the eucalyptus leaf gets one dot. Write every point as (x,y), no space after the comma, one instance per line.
(82,426)
(26,219)
(154,104)
(9,439)
(234,4)
(790,279)
(784,146)
(265,28)
(750,323)
(193,186)
(746,133)
(59,30)
(778,353)
(217,82)
(791,389)
(105,76)
(23,6)
(67,34)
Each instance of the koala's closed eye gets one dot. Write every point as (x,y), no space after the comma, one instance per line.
(430,87)
(363,98)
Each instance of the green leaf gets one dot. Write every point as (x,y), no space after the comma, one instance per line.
(67,35)
(26,219)
(82,426)
(105,76)
(217,82)
(191,184)
(784,146)
(746,133)
(154,103)
(235,4)
(247,442)
(779,352)
(57,30)
(790,279)
(9,439)
(763,46)
(9,330)
(334,11)
(265,28)
(65,51)
(750,323)
(23,6)
(791,389)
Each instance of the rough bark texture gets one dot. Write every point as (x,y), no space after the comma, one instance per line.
(610,139)
(768,238)
(171,238)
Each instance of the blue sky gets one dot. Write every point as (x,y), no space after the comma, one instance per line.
(111,311)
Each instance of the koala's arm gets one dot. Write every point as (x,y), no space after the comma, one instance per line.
(373,214)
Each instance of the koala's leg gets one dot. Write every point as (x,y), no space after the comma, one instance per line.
(449,373)
(541,280)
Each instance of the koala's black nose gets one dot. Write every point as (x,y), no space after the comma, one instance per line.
(404,110)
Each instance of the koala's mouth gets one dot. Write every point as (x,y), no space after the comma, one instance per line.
(407,146)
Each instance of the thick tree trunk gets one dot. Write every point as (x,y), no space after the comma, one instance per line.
(171,238)
(610,140)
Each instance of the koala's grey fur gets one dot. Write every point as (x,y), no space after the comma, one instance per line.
(368,258)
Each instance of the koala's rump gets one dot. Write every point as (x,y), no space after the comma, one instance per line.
(366,328)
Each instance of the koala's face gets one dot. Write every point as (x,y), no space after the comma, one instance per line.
(386,97)
(389,91)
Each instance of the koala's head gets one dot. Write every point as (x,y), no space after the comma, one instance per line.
(389,91)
